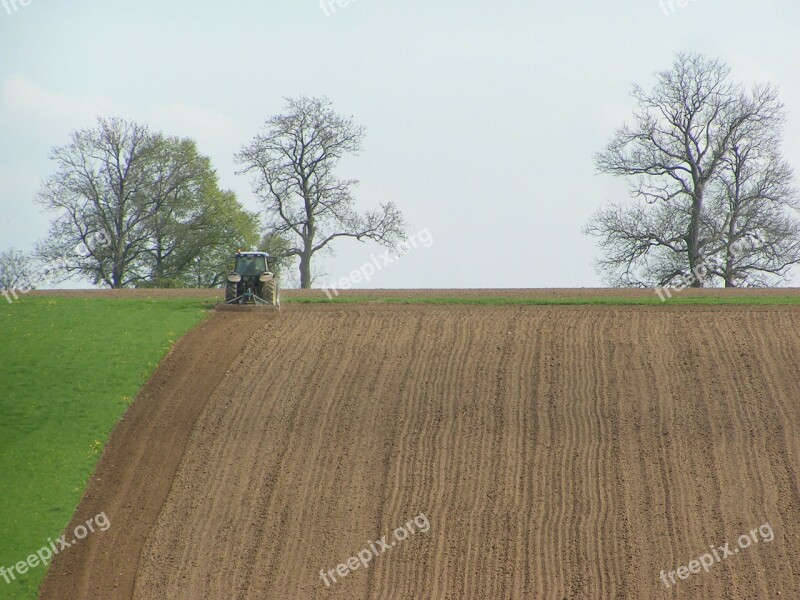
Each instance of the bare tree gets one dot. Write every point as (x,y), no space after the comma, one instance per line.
(683,135)
(100,189)
(642,245)
(16,270)
(294,161)
(756,203)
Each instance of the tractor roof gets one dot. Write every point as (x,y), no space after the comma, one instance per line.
(240,253)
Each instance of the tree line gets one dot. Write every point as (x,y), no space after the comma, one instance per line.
(713,198)
(138,208)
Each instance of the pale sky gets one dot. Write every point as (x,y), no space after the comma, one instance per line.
(481,119)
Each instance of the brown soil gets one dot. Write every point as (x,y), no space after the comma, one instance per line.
(135,473)
(557,452)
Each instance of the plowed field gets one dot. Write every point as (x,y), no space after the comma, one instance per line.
(545,452)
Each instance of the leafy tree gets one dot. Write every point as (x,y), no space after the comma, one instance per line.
(136,208)
(233,228)
(198,226)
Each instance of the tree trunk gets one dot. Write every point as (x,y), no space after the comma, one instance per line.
(728,271)
(305,271)
(693,240)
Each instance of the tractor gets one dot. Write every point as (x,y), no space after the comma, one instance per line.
(252,281)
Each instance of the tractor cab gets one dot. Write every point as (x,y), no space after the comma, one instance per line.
(251,264)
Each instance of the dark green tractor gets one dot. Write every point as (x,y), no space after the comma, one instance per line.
(252,281)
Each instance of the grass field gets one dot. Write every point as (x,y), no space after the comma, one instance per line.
(69,367)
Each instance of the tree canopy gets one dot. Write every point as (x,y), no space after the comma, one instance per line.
(138,208)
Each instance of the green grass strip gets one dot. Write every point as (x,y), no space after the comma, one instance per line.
(69,368)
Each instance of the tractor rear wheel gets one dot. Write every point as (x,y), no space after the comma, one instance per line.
(230,292)
(269,291)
